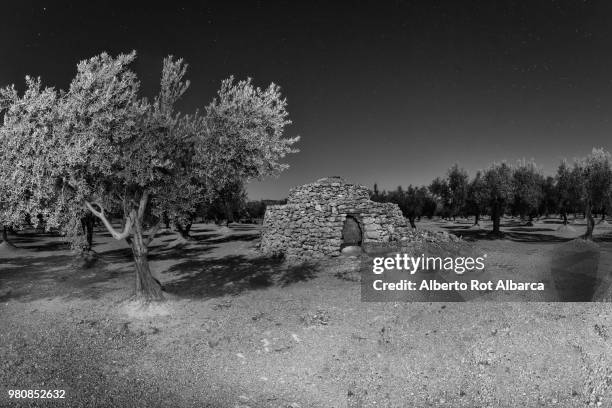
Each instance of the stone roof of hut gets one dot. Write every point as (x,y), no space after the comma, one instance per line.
(328,189)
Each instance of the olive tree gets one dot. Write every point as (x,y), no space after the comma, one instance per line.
(119,152)
(457,190)
(7,205)
(230,202)
(26,133)
(115,152)
(441,193)
(477,200)
(549,202)
(498,191)
(415,201)
(596,174)
(527,182)
(568,188)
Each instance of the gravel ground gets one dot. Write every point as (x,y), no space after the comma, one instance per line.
(239,330)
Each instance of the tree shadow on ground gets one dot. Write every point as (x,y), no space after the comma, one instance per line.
(157,253)
(603,238)
(164,253)
(118,255)
(33,274)
(28,278)
(244,227)
(231,238)
(530,229)
(555,222)
(235,274)
(202,237)
(486,235)
(29,238)
(51,246)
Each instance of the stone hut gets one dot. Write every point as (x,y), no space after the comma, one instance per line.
(323,217)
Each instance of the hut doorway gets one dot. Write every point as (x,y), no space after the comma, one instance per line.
(351,232)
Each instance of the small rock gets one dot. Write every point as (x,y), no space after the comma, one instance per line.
(353,250)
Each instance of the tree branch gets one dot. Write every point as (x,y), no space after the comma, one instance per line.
(116,234)
(142,206)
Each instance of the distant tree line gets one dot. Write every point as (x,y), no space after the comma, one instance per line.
(233,206)
(255,210)
(584,187)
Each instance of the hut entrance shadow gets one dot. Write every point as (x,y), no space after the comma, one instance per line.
(352,235)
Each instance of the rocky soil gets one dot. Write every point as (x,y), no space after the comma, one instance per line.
(242,330)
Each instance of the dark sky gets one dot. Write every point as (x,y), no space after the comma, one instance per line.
(393,93)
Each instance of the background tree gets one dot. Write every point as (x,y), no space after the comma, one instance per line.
(527,182)
(441,193)
(398,196)
(375,193)
(7,206)
(229,203)
(477,200)
(183,208)
(429,203)
(458,190)
(26,189)
(255,210)
(499,192)
(192,192)
(414,203)
(597,182)
(568,190)
(549,203)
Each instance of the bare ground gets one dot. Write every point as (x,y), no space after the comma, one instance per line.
(242,330)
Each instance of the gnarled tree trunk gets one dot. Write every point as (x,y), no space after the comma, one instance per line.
(147,287)
(229,214)
(411,219)
(87,223)
(182,236)
(496,216)
(184,231)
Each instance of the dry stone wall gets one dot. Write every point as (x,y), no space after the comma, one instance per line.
(311,223)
